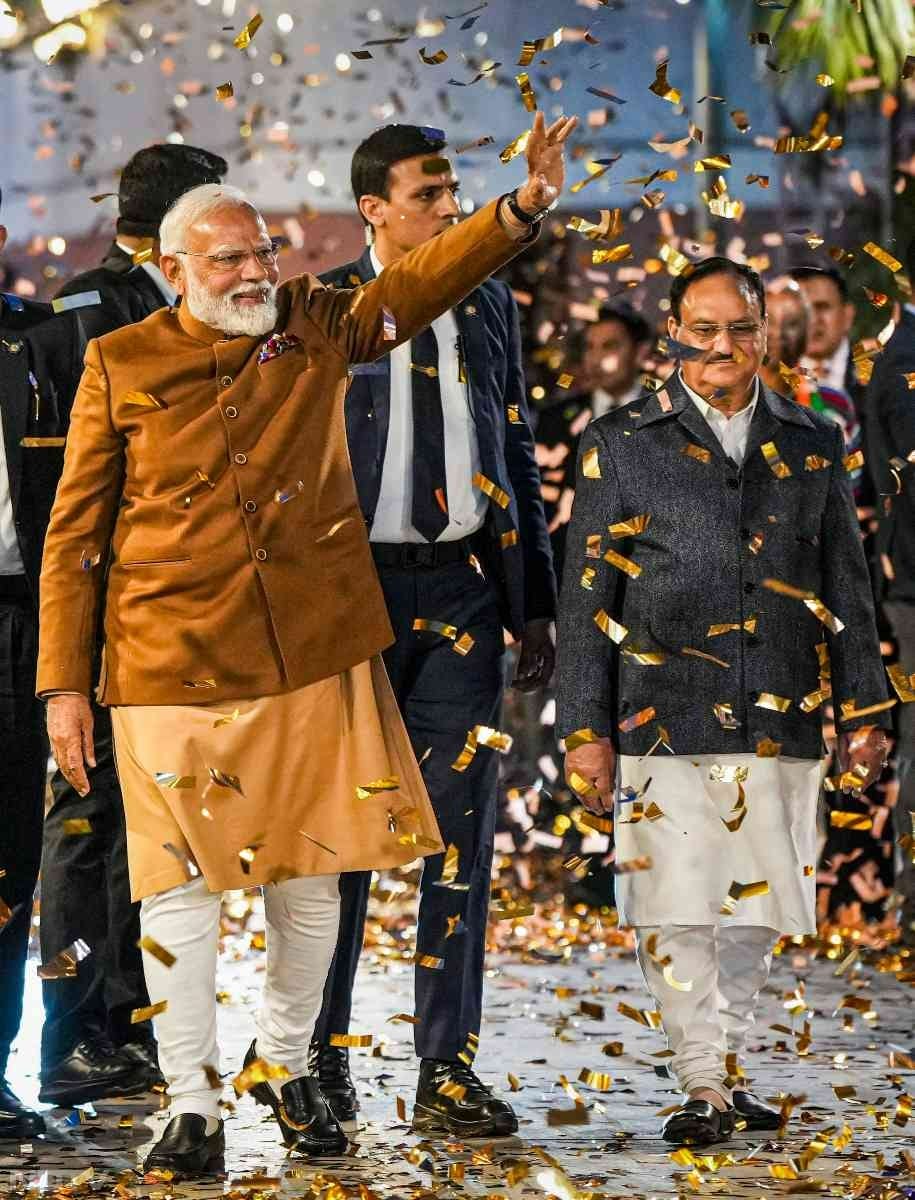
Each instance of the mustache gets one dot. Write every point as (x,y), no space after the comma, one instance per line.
(255,291)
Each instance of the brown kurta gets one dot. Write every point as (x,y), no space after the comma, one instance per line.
(210,476)
(297,760)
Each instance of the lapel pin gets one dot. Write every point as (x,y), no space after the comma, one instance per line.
(470,310)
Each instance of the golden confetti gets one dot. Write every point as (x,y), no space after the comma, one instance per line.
(694,653)
(202,684)
(882,256)
(675,262)
(76,825)
(225,91)
(464,644)
(748,626)
(742,891)
(173,781)
(223,780)
(816,462)
(637,720)
(648,1018)
(143,400)
(614,254)
(565,1116)
(812,701)
(851,462)
(661,87)
(389,784)
(613,629)
(581,737)
(527,92)
(594,821)
(779,469)
(646,658)
(139,1015)
(725,714)
(587,577)
(481,735)
(258,1071)
(243,39)
(448,631)
(63,964)
(623,564)
(433,60)
(351,1040)
(775,703)
(151,946)
(850,712)
(609,226)
(565,381)
(516,147)
(429,961)
(903,684)
(590,466)
(490,489)
(599,1080)
(595,171)
(699,453)
(714,162)
(669,979)
(728,774)
(766,748)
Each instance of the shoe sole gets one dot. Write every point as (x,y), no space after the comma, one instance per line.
(426,1120)
(263,1093)
(213,1168)
(62,1098)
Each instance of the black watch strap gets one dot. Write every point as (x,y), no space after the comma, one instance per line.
(516,210)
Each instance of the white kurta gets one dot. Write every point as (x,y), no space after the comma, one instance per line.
(695,858)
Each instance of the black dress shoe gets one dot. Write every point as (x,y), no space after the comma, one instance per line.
(331,1065)
(755,1114)
(93,1070)
(450,1099)
(699,1123)
(187,1150)
(17,1122)
(303,1115)
(144,1054)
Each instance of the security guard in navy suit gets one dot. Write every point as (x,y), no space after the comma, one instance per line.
(30,462)
(444,463)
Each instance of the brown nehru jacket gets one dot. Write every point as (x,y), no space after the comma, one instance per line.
(207,494)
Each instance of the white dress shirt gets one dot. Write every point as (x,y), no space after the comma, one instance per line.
(830,372)
(10,559)
(169,295)
(466,504)
(603,402)
(731,432)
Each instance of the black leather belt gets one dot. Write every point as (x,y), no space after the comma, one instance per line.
(410,555)
(14,589)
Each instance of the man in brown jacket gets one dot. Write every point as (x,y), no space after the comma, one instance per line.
(207,499)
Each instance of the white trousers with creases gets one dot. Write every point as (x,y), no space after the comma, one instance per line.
(725,968)
(302,917)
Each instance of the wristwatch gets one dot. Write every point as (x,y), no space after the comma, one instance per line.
(511,199)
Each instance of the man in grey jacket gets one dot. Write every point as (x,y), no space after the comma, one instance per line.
(715,597)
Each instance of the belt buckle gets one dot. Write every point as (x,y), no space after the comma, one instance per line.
(419,554)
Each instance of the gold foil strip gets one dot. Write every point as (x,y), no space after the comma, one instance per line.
(646,658)
(243,39)
(510,538)
(699,453)
(812,701)
(596,822)
(223,780)
(151,946)
(851,462)
(631,527)
(434,60)
(614,254)
(464,644)
(587,578)
(351,1040)
(492,490)
(599,1080)
(609,226)
(63,964)
(719,662)
(592,545)
(633,570)
(77,825)
(225,91)
(37,442)
(903,684)
(779,469)
(138,1015)
(767,748)
(882,256)
(668,974)
(748,626)
(581,786)
(528,99)
(775,703)
(725,714)
(175,782)
(742,891)
(258,1071)
(613,629)
(515,147)
(581,737)
(637,720)
(514,414)
(201,684)
(390,783)
(649,1018)
(421,624)
(849,712)
(143,400)
(481,735)
(816,462)
(308,838)
(429,961)
(661,87)
(590,464)
(850,820)
(719,773)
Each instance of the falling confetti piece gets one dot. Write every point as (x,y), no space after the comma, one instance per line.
(779,469)
(143,400)
(351,1040)
(243,40)
(699,453)
(481,735)
(172,781)
(151,946)
(742,891)
(258,1071)
(613,629)
(492,490)
(590,465)
(76,825)
(516,147)
(882,256)
(225,91)
(63,964)
(661,87)
(631,527)
(139,1015)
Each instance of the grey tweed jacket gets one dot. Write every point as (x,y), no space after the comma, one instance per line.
(639,653)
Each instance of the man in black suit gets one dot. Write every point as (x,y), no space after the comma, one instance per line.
(29,467)
(444,463)
(890,452)
(90,1049)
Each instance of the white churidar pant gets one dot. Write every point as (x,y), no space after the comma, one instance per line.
(727,968)
(302,918)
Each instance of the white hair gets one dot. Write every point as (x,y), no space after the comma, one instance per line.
(192,207)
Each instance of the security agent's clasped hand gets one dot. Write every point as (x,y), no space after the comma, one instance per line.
(70,727)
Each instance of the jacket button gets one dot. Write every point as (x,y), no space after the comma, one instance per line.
(734,484)
(370,414)
(226,381)
(250,506)
(241,459)
(231,411)
(749,586)
(744,533)
(752,640)
(260,555)
(753,697)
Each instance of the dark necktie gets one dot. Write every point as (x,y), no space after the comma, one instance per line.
(430,517)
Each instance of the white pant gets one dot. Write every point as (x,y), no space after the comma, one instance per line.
(728,967)
(303,917)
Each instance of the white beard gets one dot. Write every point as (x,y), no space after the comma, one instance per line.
(223,313)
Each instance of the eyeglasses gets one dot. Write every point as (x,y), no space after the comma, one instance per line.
(232,260)
(740,331)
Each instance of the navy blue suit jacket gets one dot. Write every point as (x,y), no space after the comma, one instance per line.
(517,549)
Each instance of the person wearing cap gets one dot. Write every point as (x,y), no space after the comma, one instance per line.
(28,478)
(446,553)
(258,738)
(89,1049)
